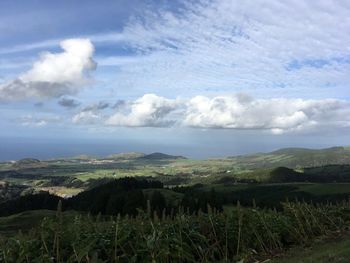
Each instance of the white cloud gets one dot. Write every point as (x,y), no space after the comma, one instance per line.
(225,46)
(54,74)
(38,121)
(92,113)
(148,111)
(86,117)
(216,46)
(65,67)
(278,115)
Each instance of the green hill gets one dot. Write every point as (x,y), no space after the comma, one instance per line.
(125,156)
(161,156)
(294,158)
(28,163)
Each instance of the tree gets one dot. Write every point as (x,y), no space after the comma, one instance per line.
(134,200)
(115,204)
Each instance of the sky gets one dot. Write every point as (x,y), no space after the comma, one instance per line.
(194,77)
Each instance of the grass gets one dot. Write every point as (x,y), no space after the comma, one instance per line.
(325,189)
(326,251)
(271,195)
(247,234)
(225,187)
(24,221)
(317,189)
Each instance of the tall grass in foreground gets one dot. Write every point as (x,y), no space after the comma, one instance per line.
(241,233)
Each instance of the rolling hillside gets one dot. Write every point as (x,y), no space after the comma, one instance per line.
(294,158)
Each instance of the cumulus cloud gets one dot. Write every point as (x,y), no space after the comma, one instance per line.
(86,117)
(54,74)
(92,114)
(148,111)
(278,115)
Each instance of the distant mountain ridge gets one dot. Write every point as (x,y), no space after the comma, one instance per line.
(128,155)
(287,157)
(28,162)
(161,156)
(297,150)
(295,158)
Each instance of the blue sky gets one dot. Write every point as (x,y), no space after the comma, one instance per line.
(268,73)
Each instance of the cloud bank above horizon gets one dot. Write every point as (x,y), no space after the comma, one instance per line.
(238,111)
